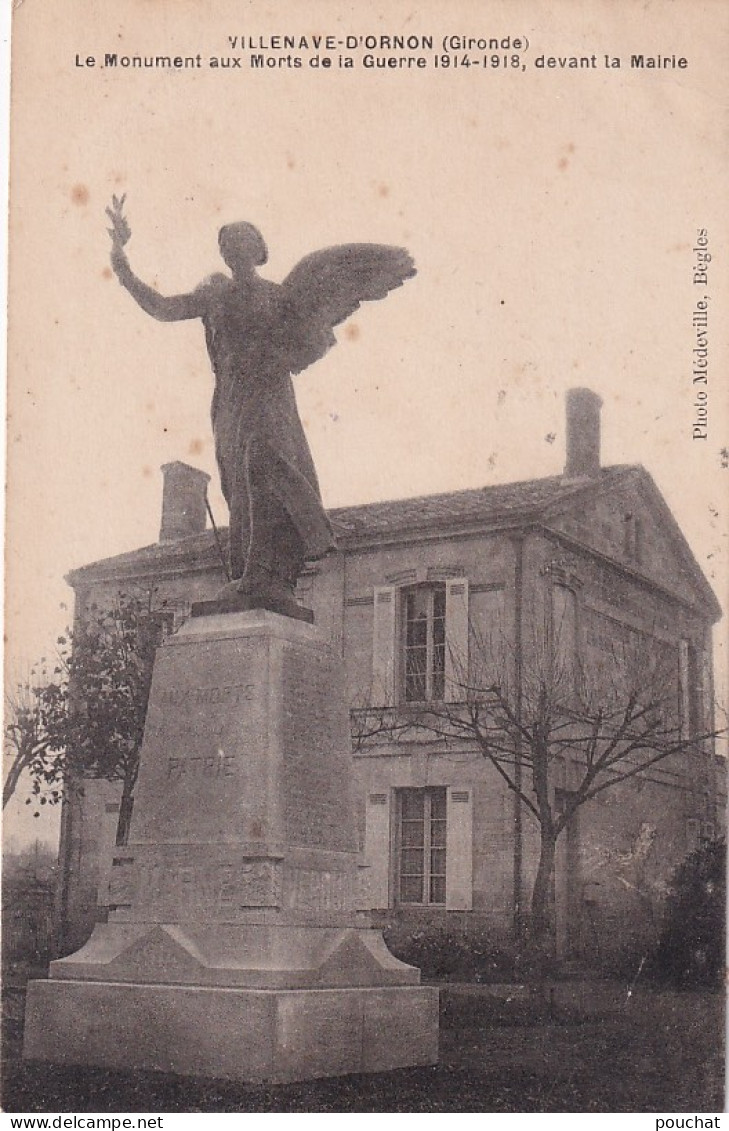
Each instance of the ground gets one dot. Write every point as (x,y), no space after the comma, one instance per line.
(590,1048)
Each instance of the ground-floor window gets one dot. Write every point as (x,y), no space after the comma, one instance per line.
(421,846)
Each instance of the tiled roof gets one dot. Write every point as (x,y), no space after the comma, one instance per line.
(484,504)
(500,503)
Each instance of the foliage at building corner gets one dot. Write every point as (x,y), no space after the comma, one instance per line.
(84,717)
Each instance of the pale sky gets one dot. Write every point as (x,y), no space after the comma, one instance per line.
(551,214)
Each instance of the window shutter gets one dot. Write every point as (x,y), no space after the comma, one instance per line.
(683,688)
(456,659)
(459,850)
(705,691)
(693,834)
(376,885)
(383,646)
(107,849)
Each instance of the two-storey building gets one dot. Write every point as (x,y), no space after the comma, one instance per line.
(416,588)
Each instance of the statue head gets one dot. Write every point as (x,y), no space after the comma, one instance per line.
(242,245)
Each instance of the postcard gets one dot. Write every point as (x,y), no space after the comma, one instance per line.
(452,276)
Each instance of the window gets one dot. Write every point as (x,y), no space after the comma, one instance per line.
(418,848)
(698,833)
(421,846)
(420,637)
(155,626)
(633,538)
(424,643)
(564,636)
(690,696)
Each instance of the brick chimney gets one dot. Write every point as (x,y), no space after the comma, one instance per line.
(583,434)
(183,501)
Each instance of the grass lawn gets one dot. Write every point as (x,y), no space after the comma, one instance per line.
(657,1051)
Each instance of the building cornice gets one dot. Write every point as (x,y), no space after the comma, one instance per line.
(200,554)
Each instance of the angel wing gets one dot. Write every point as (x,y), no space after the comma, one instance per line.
(327,286)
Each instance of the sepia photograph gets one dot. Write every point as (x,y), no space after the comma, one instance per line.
(366,672)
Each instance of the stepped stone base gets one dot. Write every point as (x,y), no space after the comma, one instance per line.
(253,957)
(234,947)
(235,1034)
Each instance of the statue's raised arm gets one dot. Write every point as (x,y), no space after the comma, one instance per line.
(172,308)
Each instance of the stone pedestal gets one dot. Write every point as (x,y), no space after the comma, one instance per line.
(234,947)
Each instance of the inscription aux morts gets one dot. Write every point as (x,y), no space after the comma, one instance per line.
(186,710)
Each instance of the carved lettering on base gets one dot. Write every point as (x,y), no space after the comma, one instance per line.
(174,889)
(320,892)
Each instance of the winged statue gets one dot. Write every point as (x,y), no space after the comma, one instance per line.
(259,334)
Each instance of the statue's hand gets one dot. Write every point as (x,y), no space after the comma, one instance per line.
(120,231)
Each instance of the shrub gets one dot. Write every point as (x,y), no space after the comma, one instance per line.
(692,945)
(447,955)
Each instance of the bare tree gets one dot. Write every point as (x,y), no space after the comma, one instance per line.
(542,716)
(26,739)
(369,721)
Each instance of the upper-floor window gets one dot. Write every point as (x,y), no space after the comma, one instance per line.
(689,690)
(420,640)
(633,538)
(424,643)
(564,637)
